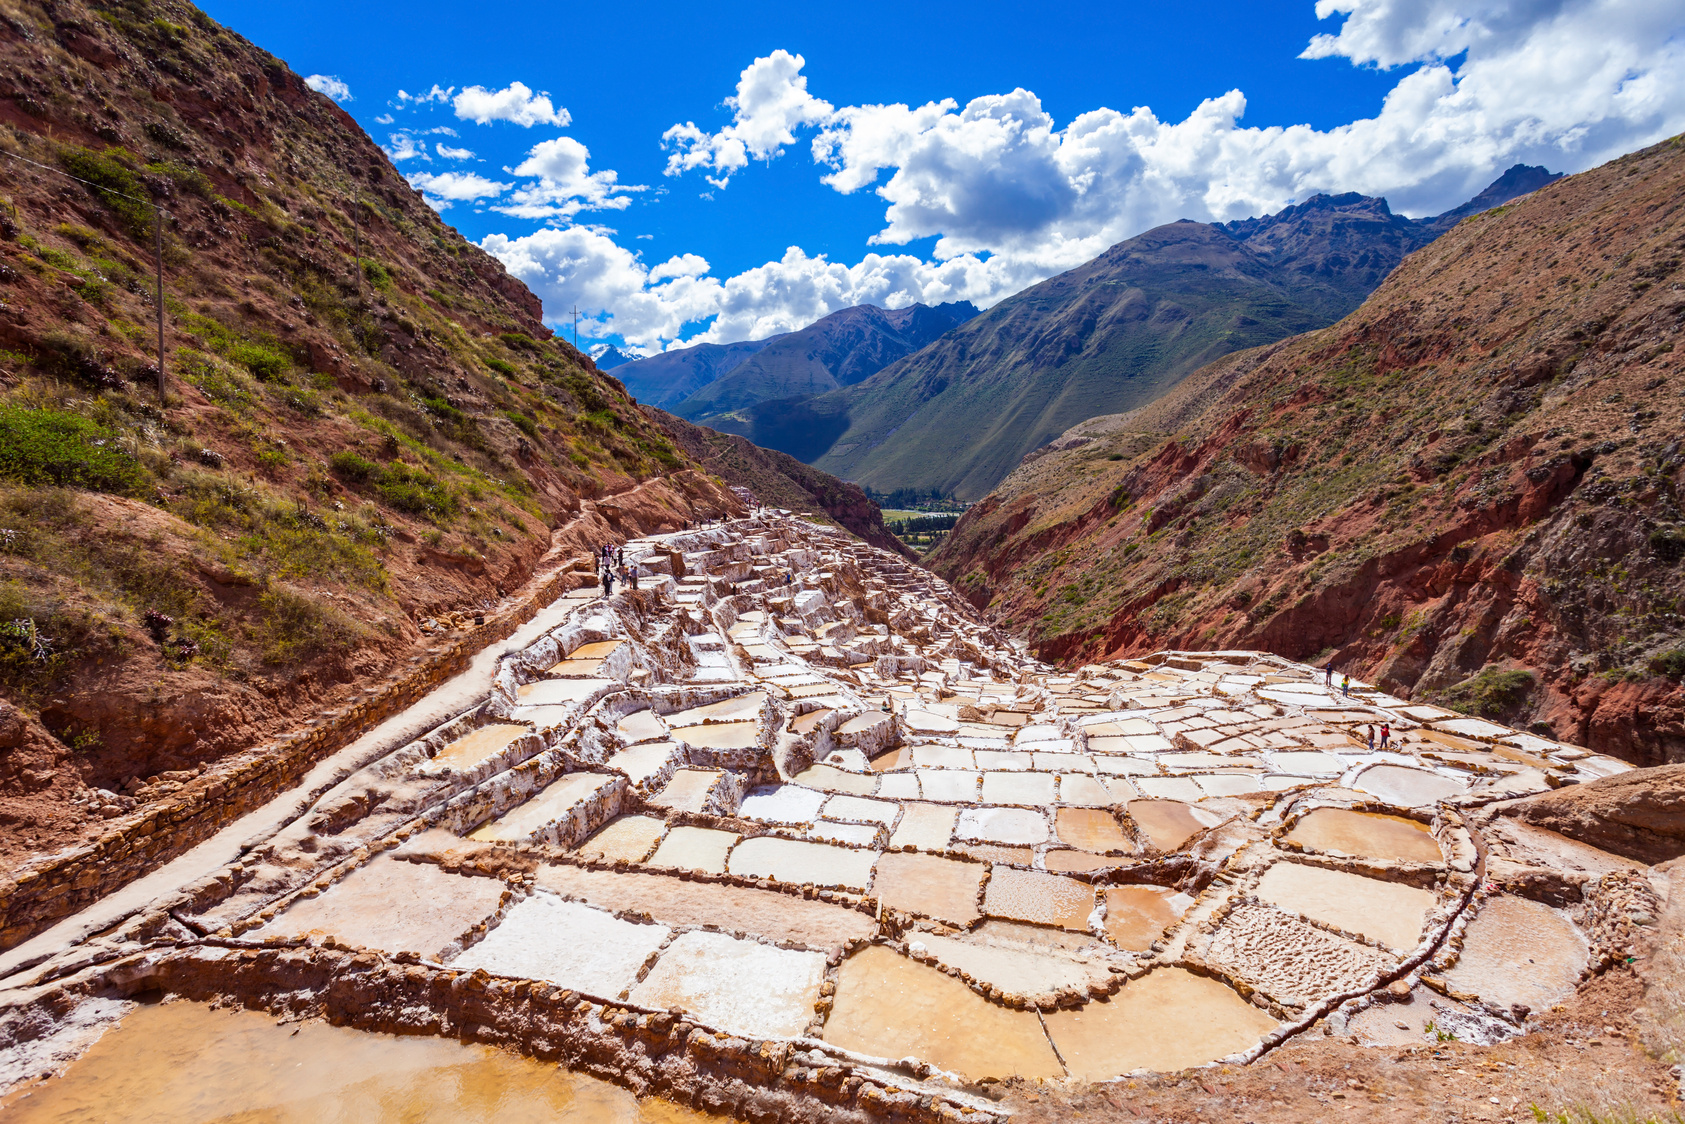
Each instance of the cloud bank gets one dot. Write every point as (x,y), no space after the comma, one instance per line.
(1012,196)
(331,85)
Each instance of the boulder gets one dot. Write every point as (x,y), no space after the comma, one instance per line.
(1639,814)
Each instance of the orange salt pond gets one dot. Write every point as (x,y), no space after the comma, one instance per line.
(1169,1019)
(929,885)
(1368,834)
(1045,899)
(1389,912)
(184,1063)
(1091,829)
(1038,974)
(889,1006)
(1136,916)
(807,723)
(641,726)
(466,752)
(1167,824)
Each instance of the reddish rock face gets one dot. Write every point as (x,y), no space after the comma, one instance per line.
(1476,471)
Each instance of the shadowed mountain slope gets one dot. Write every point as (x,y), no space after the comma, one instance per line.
(1112,334)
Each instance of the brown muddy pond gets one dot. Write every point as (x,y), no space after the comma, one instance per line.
(1367,834)
(467,752)
(184,1063)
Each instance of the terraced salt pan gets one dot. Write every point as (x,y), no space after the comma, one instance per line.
(467,752)
(641,762)
(1091,829)
(573,945)
(695,848)
(957,785)
(641,726)
(1168,824)
(1291,961)
(1367,834)
(1388,912)
(1078,788)
(889,1006)
(792,860)
(392,905)
(1013,968)
(926,826)
(1043,899)
(860,808)
(720,735)
(930,886)
(1002,825)
(688,790)
(1520,951)
(829,779)
(1407,787)
(1136,916)
(743,708)
(543,808)
(560,692)
(743,987)
(899,786)
(1169,788)
(629,838)
(1168,1019)
(1018,788)
(787,804)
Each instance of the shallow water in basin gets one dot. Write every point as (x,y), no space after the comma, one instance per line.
(184,1063)
(1136,916)
(467,752)
(1389,912)
(720,735)
(1367,834)
(1520,951)
(889,1006)
(740,709)
(1167,824)
(945,889)
(1168,1019)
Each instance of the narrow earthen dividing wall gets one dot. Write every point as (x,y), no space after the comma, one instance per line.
(134,845)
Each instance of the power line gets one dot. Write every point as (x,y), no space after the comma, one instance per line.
(157,244)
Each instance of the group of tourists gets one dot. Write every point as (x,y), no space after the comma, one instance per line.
(611,567)
(1385,728)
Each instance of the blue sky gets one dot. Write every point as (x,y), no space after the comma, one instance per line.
(1422,100)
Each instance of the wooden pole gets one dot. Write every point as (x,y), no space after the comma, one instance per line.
(357,249)
(158,261)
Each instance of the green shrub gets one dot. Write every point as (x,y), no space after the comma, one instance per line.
(45,447)
(1670,664)
(1490,694)
(520,341)
(267,363)
(353,468)
(416,492)
(445,411)
(297,628)
(377,275)
(507,370)
(523,423)
(117,188)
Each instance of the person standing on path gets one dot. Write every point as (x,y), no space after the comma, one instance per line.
(1386,734)
(1371,729)
(1346,687)
(1328,674)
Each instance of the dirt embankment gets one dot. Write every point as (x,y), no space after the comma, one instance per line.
(1467,490)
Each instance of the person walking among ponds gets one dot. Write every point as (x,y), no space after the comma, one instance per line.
(1371,730)
(1346,686)
(1328,674)
(1386,734)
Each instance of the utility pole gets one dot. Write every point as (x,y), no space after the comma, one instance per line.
(158,260)
(576,327)
(357,249)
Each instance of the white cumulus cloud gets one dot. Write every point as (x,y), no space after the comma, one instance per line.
(1011,195)
(771,101)
(561,184)
(515,103)
(437,93)
(331,85)
(450,153)
(444,188)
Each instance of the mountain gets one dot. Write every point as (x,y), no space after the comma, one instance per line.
(608,357)
(1466,491)
(365,435)
(669,378)
(838,350)
(1112,334)
(780,480)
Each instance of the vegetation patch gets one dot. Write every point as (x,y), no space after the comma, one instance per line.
(40,447)
(1490,694)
